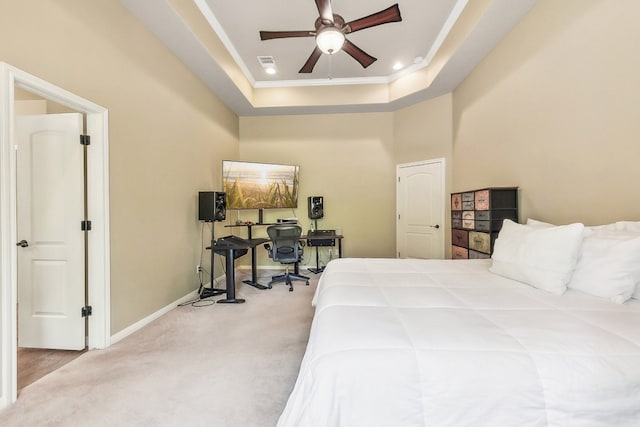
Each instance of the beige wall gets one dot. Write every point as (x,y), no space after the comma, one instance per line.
(555,110)
(168,135)
(423,132)
(348,159)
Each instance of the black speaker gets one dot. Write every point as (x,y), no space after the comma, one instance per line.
(316,208)
(212,206)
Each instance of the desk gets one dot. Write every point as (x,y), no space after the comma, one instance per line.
(310,238)
(250,225)
(254,243)
(254,268)
(228,250)
(320,239)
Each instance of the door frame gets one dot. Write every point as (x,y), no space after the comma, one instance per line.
(99,329)
(442,162)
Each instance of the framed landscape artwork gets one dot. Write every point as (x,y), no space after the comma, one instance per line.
(251,185)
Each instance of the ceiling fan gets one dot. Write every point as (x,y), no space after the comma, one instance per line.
(331,30)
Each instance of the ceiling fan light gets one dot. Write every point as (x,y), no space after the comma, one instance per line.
(330,40)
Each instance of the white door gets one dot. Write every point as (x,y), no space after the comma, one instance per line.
(50,208)
(420,210)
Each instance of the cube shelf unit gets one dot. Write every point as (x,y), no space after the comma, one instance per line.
(476,219)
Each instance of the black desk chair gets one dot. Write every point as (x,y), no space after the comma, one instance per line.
(285,247)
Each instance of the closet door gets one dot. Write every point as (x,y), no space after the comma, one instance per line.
(420,210)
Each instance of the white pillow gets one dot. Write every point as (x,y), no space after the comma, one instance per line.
(620,228)
(632,226)
(630,229)
(587,229)
(539,224)
(609,265)
(540,257)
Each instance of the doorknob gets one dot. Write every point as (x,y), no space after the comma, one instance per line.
(435,226)
(22,243)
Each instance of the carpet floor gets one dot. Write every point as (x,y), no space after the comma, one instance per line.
(220,365)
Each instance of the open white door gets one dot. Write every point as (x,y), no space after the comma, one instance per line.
(50,207)
(420,210)
(98,269)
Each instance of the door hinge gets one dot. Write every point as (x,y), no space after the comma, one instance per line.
(85,140)
(85,225)
(86,311)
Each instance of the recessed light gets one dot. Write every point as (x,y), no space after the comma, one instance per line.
(270,70)
(398,66)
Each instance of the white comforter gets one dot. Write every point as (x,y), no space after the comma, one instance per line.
(447,343)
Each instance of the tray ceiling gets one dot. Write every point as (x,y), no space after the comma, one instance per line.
(433,48)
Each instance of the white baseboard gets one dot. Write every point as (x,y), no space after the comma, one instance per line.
(261,267)
(190,296)
(153,316)
(273,266)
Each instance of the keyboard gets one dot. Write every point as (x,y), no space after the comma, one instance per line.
(321,233)
(233,240)
(230,241)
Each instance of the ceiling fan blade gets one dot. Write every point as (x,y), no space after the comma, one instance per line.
(325,11)
(311,62)
(358,54)
(268,35)
(390,14)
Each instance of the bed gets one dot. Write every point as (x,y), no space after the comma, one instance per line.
(450,343)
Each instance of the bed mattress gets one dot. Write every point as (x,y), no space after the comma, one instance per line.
(448,343)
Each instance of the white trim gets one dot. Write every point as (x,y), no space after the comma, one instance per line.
(435,47)
(321,82)
(8,315)
(98,181)
(267,267)
(189,297)
(150,318)
(217,28)
(99,238)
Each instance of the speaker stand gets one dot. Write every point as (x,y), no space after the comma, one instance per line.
(318,269)
(212,291)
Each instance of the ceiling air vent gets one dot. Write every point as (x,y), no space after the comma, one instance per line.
(267,61)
